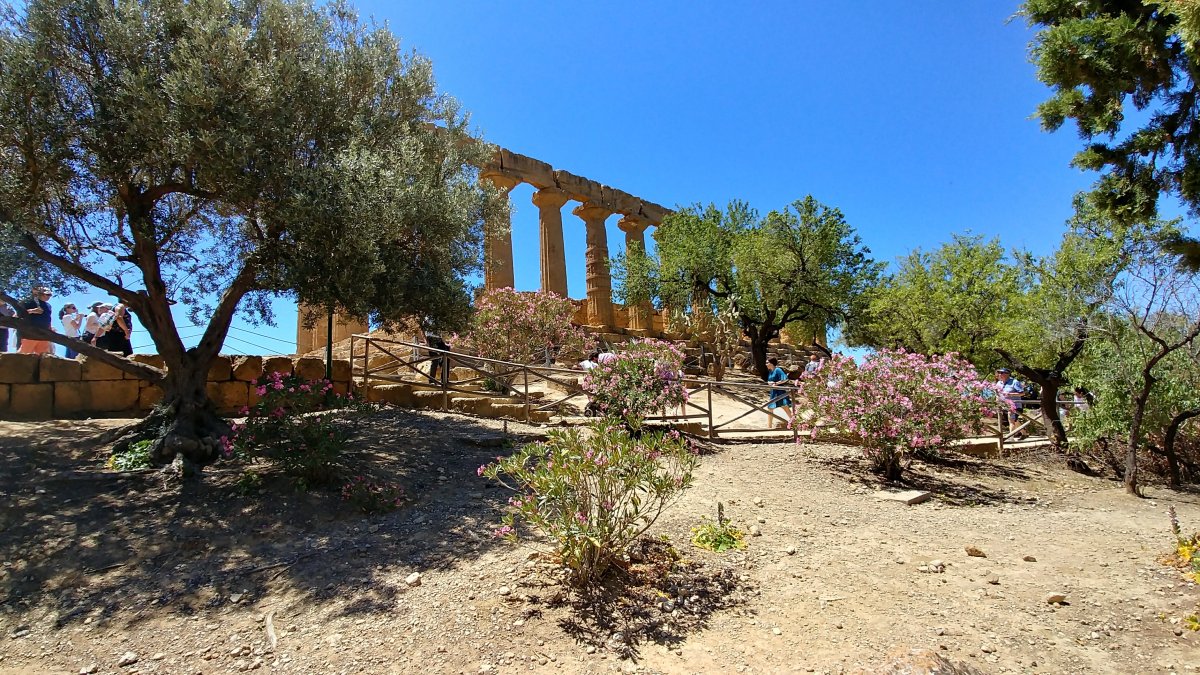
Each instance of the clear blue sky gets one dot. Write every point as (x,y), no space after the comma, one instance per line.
(915,119)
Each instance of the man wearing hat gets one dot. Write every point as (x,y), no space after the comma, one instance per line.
(1012,389)
(37,312)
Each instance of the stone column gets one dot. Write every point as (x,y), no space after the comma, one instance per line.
(497,239)
(599,284)
(635,237)
(554,258)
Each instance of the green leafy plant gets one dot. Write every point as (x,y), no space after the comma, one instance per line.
(1187,548)
(592,492)
(896,403)
(290,428)
(641,380)
(249,482)
(371,496)
(136,457)
(519,327)
(718,536)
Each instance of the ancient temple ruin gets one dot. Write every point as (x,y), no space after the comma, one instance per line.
(554,188)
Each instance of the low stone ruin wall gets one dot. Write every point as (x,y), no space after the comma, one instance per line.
(36,387)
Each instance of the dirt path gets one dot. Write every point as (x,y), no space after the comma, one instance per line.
(95,567)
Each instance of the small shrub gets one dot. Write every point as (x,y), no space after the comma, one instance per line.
(719,536)
(1187,548)
(287,428)
(371,496)
(136,457)
(248,483)
(896,403)
(592,492)
(519,327)
(640,381)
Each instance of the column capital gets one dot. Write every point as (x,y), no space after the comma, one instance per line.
(501,180)
(590,212)
(550,198)
(633,224)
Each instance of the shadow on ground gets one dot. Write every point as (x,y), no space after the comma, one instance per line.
(657,599)
(96,544)
(948,477)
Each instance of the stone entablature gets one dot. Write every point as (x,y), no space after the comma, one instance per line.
(34,387)
(596,203)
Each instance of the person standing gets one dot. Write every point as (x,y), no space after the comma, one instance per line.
(91,325)
(114,327)
(779,397)
(70,318)
(38,312)
(814,362)
(1011,389)
(5,310)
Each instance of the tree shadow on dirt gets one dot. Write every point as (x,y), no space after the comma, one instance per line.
(657,599)
(954,490)
(90,543)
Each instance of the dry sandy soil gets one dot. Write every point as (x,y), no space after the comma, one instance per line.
(201,579)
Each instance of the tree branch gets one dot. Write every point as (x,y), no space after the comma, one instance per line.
(80,272)
(30,331)
(218,325)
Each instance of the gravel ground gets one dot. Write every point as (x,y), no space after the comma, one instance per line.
(98,570)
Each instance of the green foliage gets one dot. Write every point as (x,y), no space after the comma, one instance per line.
(718,536)
(641,380)
(371,496)
(221,152)
(1111,60)
(136,457)
(955,299)
(1144,365)
(801,264)
(592,492)
(289,428)
(1187,548)
(519,327)
(249,482)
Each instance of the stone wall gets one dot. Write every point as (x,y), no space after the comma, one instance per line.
(36,387)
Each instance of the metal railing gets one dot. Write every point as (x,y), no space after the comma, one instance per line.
(377,360)
(559,390)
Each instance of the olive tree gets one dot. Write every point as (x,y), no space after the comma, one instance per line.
(803,263)
(215,153)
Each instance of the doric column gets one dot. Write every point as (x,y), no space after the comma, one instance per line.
(599,284)
(635,237)
(497,238)
(554,258)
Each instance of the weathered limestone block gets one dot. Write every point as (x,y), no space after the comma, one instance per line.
(75,398)
(221,369)
(530,170)
(18,368)
(58,369)
(4,398)
(149,395)
(228,396)
(277,364)
(247,368)
(31,401)
(396,394)
(310,368)
(341,370)
(151,360)
(98,370)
